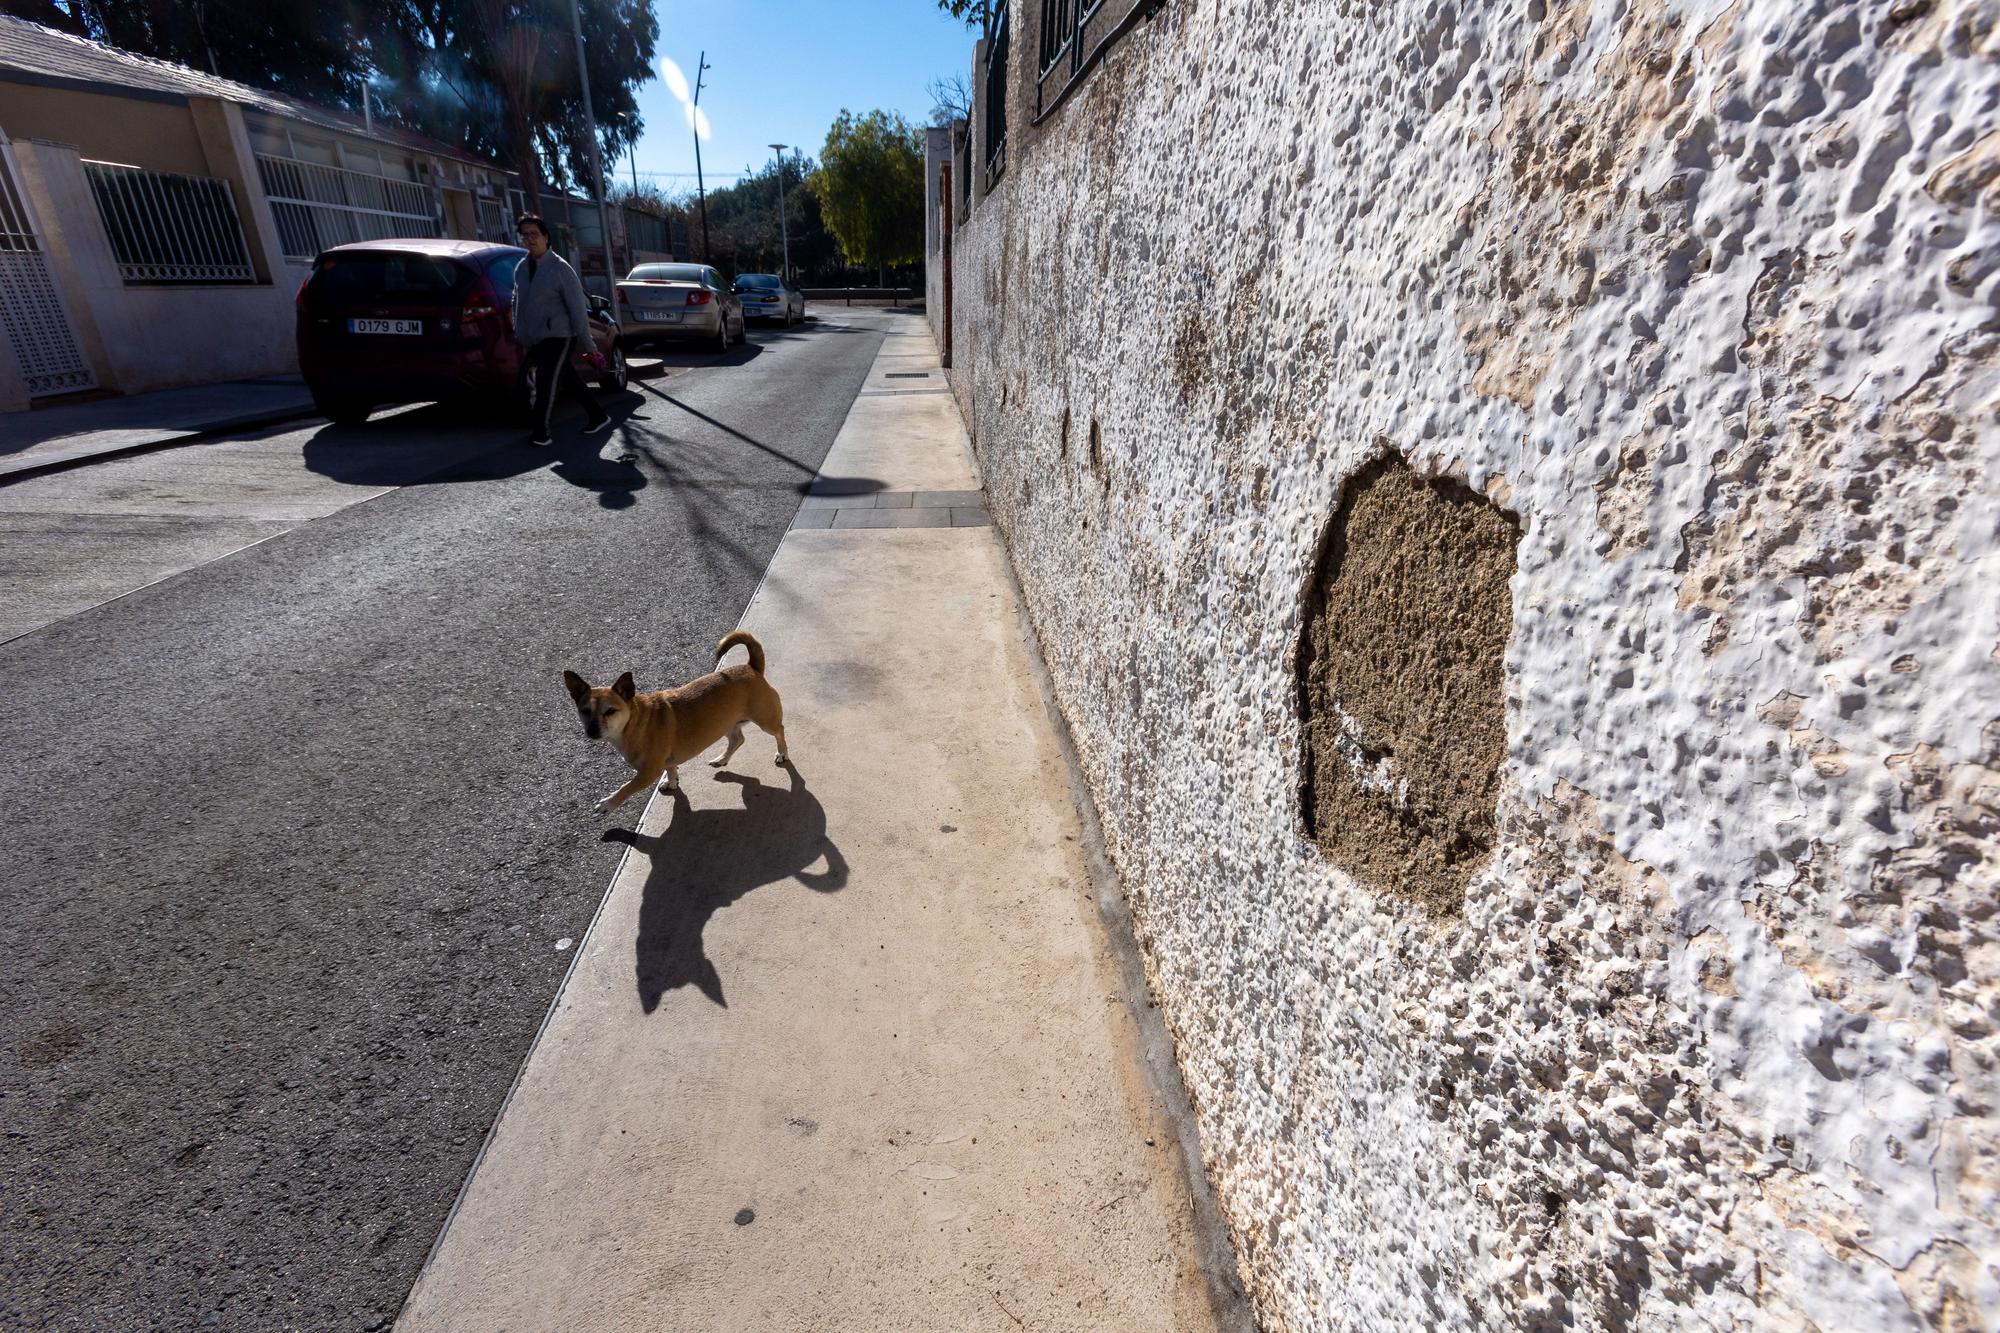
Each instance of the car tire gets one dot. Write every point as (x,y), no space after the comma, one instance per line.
(722,333)
(619,374)
(342,411)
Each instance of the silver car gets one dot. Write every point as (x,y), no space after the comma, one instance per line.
(768,296)
(678,303)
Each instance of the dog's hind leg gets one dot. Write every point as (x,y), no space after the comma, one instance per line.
(735,744)
(768,712)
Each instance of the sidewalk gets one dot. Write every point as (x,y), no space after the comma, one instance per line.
(48,439)
(849,1045)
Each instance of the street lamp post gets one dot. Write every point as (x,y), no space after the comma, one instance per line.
(784,233)
(700,190)
(633,156)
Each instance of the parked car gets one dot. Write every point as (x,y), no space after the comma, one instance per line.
(414,321)
(678,303)
(769,296)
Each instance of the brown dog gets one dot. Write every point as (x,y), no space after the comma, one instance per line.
(660,731)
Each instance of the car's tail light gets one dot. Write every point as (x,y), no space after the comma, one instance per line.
(300,300)
(698,297)
(480,304)
(623,297)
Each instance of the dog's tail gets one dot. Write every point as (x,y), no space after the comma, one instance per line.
(748,640)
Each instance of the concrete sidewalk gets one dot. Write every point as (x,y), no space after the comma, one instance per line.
(849,1045)
(51,438)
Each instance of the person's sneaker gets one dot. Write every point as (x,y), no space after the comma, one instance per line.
(601,424)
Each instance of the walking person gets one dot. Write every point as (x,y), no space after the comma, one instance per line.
(550,320)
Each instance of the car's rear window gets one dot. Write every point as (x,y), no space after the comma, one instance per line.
(666,273)
(501,274)
(760,281)
(390,278)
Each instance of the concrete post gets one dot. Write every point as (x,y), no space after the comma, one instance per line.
(225,142)
(975,128)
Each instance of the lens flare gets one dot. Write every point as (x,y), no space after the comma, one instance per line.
(677,83)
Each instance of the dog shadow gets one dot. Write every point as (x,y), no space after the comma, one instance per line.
(707,859)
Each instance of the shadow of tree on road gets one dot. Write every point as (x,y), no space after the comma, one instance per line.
(707,859)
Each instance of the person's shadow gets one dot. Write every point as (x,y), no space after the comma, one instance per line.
(707,859)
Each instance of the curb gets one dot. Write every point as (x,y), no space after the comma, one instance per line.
(12,472)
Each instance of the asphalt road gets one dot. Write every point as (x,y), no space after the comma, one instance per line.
(292,837)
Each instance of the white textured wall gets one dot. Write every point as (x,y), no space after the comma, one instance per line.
(1706,295)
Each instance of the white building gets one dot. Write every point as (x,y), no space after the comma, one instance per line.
(156,222)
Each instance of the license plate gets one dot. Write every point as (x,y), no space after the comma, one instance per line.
(405,326)
(660,316)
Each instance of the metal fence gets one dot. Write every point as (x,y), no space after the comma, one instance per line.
(1058,36)
(32,310)
(1062,52)
(995,105)
(643,231)
(317,207)
(169,228)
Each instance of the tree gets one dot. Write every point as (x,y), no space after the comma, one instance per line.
(870,188)
(307,51)
(975,13)
(951,99)
(493,77)
(500,76)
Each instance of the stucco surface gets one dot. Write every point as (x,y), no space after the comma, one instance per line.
(1704,295)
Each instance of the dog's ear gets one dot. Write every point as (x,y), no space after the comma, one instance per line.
(624,688)
(576,685)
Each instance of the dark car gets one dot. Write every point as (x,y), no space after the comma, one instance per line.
(420,321)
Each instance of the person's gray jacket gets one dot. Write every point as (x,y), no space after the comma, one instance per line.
(550,304)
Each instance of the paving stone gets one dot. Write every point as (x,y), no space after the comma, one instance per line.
(892,518)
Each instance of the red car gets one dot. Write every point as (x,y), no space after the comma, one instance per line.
(420,321)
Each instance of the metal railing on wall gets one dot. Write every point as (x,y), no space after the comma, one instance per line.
(1058,34)
(166,228)
(995,105)
(1065,60)
(316,207)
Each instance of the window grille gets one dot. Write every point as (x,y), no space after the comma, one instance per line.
(317,207)
(995,106)
(493,222)
(169,228)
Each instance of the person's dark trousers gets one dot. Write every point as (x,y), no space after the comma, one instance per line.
(550,373)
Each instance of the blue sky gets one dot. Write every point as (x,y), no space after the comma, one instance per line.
(781,70)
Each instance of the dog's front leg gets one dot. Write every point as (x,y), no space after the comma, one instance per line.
(673,782)
(640,781)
